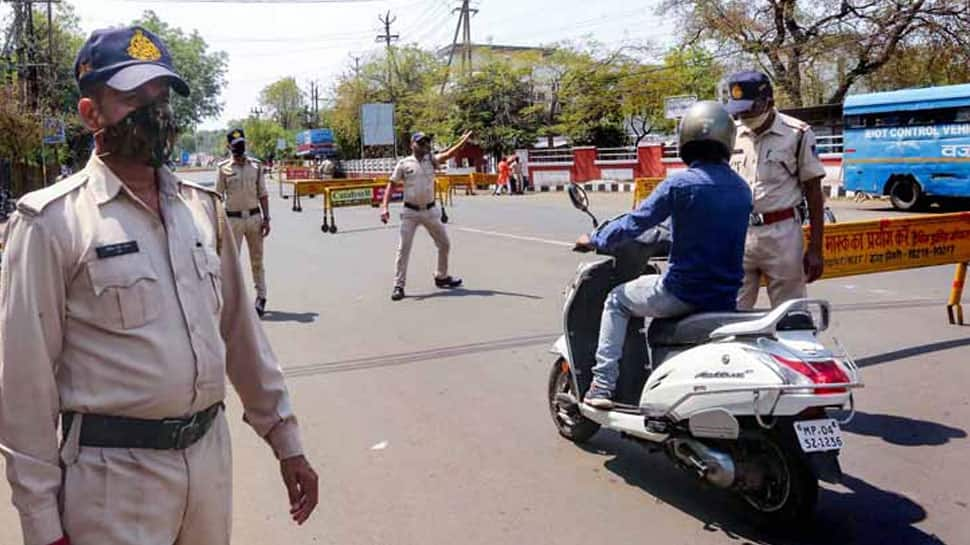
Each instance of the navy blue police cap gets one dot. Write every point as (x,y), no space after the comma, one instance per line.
(124,59)
(743,88)
(419,136)
(235,136)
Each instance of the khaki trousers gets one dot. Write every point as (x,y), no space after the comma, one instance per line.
(149,497)
(774,252)
(431,220)
(252,229)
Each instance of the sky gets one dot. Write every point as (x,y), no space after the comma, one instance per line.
(316,40)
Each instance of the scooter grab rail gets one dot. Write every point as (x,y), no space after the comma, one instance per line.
(768,324)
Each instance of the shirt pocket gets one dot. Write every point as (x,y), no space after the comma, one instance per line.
(209,268)
(126,290)
(778,166)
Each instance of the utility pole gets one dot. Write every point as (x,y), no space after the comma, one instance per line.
(387,38)
(463,27)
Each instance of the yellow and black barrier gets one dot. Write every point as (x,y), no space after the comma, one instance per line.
(884,245)
(354,192)
(643,187)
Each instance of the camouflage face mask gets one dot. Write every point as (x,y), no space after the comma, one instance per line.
(146,135)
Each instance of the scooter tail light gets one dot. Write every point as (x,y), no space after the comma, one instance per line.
(819,372)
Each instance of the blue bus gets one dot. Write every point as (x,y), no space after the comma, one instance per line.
(912,145)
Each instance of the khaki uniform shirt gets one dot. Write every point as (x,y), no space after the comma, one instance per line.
(105,308)
(243,185)
(418,179)
(773,164)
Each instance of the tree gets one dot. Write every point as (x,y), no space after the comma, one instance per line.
(644,88)
(202,69)
(285,102)
(850,38)
(496,102)
(262,136)
(588,95)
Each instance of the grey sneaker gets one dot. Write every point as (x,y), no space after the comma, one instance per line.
(260,306)
(598,397)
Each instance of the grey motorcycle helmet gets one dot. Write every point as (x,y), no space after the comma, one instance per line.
(709,122)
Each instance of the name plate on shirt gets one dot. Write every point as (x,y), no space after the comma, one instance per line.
(115,250)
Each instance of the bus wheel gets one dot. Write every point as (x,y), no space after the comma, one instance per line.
(906,194)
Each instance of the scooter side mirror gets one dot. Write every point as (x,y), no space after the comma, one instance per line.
(580,200)
(578,197)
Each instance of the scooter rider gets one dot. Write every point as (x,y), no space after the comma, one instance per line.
(709,205)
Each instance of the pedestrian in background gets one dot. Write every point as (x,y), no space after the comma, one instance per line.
(504,171)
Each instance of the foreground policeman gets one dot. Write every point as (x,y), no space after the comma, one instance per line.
(122,311)
(708,205)
(776,155)
(240,180)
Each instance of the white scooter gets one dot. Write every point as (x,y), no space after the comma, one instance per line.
(738,399)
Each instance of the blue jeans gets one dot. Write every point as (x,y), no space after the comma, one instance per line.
(644,297)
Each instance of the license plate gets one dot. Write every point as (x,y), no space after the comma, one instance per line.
(819,435)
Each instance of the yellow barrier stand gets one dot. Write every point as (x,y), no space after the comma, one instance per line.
(443,190)
(347,193)
(643,187)
(866,247)
(953,308)
(482,181)
(305,187)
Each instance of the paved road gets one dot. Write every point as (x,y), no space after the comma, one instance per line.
(428,422)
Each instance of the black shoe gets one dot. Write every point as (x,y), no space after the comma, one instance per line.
(261,306)
(397,294)
(447,282)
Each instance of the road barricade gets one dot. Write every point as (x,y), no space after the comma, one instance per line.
(866,247)
(643,187)
(354,192)
(483,181)
(455,181)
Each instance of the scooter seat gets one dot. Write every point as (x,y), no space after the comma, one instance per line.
(695,328)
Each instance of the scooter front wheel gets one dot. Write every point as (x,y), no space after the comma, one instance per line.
(570,423)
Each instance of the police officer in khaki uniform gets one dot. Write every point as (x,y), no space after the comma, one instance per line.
(776,154)
(240,180)
(122,310)
(417,174)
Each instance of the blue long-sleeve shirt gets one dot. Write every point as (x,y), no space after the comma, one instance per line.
(709,206)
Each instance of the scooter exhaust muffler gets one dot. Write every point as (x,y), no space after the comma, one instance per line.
(712,465)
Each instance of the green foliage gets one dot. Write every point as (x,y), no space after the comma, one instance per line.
(203,70)
(496,102)
(285,102)
(262,135)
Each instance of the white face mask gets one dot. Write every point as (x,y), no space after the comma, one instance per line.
(757,121)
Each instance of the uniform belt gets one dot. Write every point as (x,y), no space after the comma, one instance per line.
(252,212)
(122,432)
(418,207)
(771,217)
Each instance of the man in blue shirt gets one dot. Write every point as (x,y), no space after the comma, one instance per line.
(709,206)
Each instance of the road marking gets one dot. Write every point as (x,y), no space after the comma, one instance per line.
(380,446)
(516,237)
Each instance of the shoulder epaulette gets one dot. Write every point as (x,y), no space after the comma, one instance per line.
(33,203)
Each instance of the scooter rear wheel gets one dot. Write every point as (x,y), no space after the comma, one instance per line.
(570,423)
(789,491)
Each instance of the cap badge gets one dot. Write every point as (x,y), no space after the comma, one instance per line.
(142,48)
(736,92)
